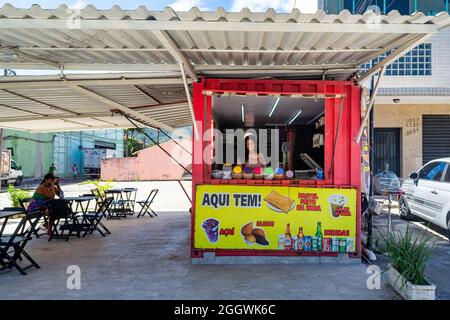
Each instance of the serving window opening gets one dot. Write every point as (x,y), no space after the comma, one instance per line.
(269,137)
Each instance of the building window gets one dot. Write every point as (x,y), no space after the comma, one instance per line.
(404,7)
(416,62)
(431,7)
(104,145)
(361,6)
(333,6)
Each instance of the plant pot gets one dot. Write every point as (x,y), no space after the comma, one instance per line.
(410,291)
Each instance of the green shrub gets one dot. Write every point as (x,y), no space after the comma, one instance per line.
(15,195)
(101,186)
(410,256)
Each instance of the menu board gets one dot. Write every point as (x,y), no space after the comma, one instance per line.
(275,218)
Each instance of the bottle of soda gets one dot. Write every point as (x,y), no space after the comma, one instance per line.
(319,236)
(300,239)
(288,238)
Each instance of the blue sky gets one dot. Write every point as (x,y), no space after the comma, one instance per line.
(106,4)
(230,5)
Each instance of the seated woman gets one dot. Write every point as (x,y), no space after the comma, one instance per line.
(44,193)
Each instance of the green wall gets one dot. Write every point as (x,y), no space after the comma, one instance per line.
(35,152)
(32,151)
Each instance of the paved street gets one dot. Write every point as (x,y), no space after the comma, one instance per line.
(32,183)
(166,198)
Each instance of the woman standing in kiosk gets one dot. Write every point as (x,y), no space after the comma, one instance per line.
(252,157)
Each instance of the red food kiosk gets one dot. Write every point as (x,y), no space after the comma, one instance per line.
(308,214)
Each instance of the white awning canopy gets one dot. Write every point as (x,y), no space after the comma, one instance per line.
(216,43)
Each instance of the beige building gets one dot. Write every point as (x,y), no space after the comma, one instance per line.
(410,121)
(412,111)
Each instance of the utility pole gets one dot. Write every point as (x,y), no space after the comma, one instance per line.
(1,138)
(1,149)
(126,142)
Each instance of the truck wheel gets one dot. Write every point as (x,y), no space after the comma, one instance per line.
(18,181)
(405,213)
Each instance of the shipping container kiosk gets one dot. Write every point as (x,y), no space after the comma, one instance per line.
(236,217)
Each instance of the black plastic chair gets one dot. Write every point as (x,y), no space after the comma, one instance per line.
(146,204)
(95,218)
(24,204)
(129,200)
(62,219)
(12,246)
(98,197)
(117,208)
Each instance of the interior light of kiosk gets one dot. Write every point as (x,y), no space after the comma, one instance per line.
(295,117)
(274,107)
(242,111)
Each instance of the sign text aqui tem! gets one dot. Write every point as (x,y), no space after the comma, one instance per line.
(246,217)
(238,200)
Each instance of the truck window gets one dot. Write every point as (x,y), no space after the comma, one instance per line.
(13,165)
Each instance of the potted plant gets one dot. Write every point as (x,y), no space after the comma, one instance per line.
(409,255)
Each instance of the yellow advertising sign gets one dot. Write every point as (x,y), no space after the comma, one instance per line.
(270,218)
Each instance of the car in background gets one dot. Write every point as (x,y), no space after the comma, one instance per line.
(427,194)
(10,172)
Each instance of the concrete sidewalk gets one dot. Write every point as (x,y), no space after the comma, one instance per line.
(149,258)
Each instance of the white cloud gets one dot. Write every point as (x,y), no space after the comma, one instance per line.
(186,5)
(305,6)
(78,5)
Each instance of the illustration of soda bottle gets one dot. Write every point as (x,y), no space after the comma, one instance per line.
(319,236)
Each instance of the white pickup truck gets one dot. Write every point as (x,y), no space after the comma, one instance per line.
(9,170)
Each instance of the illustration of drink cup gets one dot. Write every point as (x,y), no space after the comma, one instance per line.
(336,201)
(211,228)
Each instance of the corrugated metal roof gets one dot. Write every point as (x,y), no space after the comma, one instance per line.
(214,43)
(53,104)
(211,41)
